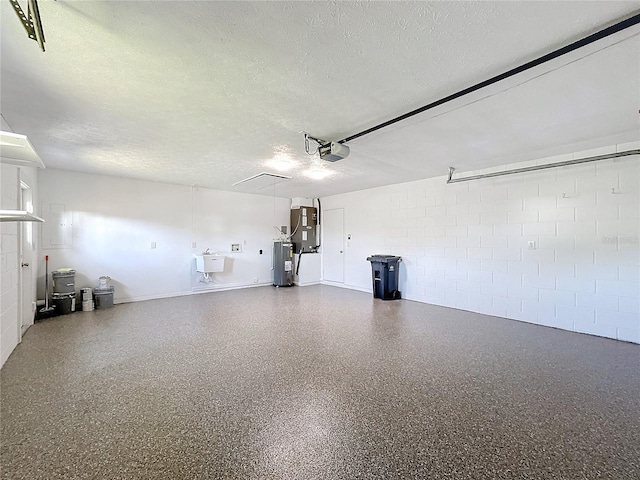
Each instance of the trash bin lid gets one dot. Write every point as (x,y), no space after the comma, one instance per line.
(104,290)
(384,258)
(63,272)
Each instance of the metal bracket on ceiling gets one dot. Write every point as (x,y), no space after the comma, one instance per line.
(31,20)
(451,170)
(321,144)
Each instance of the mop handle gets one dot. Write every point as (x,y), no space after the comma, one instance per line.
(46,282)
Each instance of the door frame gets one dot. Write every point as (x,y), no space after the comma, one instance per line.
(324,243)
(26,237)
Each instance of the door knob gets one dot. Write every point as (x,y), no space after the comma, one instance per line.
(24,264)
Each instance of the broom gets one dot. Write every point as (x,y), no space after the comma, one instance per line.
(47,309)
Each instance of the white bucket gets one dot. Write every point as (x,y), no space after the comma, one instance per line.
(86,294)
(87,306)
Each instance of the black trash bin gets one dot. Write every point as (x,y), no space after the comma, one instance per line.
(384,271)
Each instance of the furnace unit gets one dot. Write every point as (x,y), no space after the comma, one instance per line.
(283,264)
(304,222)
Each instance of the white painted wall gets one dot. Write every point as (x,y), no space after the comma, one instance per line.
(10,176)
(465,245)
(309,269)
(112,222)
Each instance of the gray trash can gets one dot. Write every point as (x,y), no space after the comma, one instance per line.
(64,302)
(103,297)
(384,273)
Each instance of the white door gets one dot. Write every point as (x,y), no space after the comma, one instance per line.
(26,262)
(333,245)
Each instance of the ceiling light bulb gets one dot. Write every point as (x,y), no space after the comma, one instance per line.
(316,173)
(281,161)
(280,164)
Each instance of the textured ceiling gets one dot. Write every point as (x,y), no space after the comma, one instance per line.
(210,93)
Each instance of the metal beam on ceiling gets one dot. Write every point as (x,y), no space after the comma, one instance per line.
(30,20)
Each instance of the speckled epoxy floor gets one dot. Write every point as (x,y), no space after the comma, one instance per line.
(315,383)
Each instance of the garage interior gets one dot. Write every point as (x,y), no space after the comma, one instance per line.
(493,146)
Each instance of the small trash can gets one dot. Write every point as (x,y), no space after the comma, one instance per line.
(103,297)
(64,302)
(384,272)
(64,280)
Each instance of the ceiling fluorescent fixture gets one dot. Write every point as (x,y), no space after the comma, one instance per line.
(318,173)
(329,151)
(15,149)
(281,162)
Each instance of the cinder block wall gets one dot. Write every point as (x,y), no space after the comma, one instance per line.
(468,245)
(9,259)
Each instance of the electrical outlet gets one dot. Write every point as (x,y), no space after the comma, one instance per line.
(193,244)
(255,280)
(531,244)
(235,247)
(153,245)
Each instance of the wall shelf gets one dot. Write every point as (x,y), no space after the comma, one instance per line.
(18,216)
(16,149)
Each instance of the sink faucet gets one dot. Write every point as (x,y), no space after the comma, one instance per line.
(206,252)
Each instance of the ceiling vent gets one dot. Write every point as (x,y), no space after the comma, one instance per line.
(263,180)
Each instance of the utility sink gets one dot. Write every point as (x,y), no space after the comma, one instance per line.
(209,263)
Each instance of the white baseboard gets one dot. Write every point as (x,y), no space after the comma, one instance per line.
(144,298)
(347,286)
(226,286)
(193,291)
